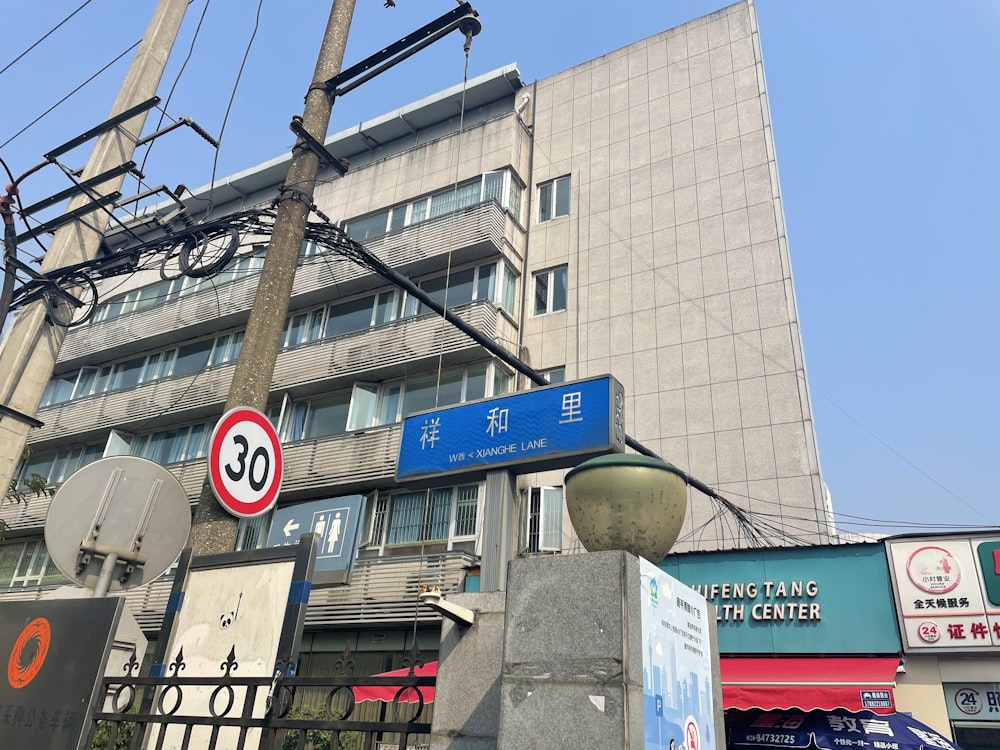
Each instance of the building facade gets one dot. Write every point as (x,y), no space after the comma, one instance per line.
(622,217)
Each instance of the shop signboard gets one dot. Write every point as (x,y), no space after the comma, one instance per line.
(799,600)
(947,592)
(973,701)
(677,664)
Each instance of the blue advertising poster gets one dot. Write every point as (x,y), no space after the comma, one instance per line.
(569,419)
(677,664)
(335,520)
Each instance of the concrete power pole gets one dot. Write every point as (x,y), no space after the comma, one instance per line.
(29,355)
(214,530)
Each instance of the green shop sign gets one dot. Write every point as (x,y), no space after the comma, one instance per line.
(799,600)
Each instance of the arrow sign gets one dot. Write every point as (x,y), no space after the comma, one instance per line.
(290,527)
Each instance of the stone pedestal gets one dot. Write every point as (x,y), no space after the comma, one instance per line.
(572,655)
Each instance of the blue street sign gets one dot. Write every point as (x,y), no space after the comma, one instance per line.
(569,419)
(335,520)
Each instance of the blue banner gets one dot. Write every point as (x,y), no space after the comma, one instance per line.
(568,419)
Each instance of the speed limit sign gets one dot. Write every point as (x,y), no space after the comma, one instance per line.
(244,462)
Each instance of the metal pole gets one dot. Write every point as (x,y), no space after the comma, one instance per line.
(29,353)
(214,530)
(104,577)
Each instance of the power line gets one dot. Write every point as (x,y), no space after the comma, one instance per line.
(43,38)
(71,93)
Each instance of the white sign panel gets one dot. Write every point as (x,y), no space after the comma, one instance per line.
(677,664)
(943,594)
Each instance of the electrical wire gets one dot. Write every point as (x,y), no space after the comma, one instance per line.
(43,38)
(173,87)
(229,106)
(71,93)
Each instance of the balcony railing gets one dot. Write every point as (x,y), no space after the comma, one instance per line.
(382,590)
(339,465)
(478,231)
(334,362)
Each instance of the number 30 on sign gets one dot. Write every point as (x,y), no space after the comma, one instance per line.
(244,462)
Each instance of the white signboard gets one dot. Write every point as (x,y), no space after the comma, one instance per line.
(677,664)
(944,593)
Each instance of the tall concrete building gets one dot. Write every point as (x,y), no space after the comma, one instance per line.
(622,217)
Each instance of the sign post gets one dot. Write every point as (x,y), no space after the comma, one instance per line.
(335,521)
(245,465)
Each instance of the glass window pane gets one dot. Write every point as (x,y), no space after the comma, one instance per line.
(368,227)
(197,443)
(419,395)
(493,187)
(407,517)
(85,382)
(385,308)
(562,196)
(295,329)
(465,510)
(327,416)
(514,203)
(460,287)
(59,389)
(475,382)
(126,374)
(541,293)
(484,282)
(315,325)
(193,357)
(435,290)
(397,219)
(545,201)
(418,211)
(450,391)
(388,412)
(442,203)
(362,412)
(468,194)
(439,514)
(559,288)
(508,299)
(349,317)
(551,526)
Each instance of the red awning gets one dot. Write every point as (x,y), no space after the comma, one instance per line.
(856,683)
(387,693)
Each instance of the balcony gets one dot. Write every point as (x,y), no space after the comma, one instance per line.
(339,465)
(477,232)
(382,590)
(328,365)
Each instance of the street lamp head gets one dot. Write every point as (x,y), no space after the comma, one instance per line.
(629,502)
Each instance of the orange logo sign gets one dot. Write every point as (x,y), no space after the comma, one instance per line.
(29,652)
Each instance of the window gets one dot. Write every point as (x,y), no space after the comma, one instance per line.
(174,445)
(428,515)
(251,533)
(27,564)
(543,520)
(327,416)
(501,186)
(552,376)
(551,290)
(553,199)
(57,466)
(169,291)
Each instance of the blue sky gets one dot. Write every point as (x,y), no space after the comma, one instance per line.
(886,118)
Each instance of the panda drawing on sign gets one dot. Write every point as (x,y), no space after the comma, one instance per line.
(226,619)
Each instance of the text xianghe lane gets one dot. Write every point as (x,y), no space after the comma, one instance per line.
(786,601)
(501,450)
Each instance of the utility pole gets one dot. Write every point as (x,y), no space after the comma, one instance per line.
(214,530)
(29,355)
